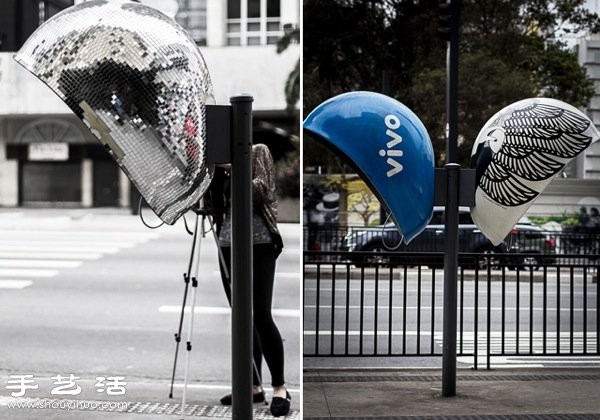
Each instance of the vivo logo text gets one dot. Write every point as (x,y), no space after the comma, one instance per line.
(392,123)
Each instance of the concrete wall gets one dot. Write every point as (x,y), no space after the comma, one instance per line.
(22,93)
(216,26)
(290,11)
(259,71)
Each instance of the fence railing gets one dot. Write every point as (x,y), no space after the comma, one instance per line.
(522,240)
(394,307)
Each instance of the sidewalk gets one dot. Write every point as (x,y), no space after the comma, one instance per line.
(532,394)
(143,400)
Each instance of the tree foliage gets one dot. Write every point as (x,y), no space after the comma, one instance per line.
(509,50)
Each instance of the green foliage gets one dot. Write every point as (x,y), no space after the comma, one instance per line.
(564,219)
(508,51)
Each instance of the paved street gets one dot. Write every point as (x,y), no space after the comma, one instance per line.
(99,295)
(406,316)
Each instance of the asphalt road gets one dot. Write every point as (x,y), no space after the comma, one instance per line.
(376,316)
(99,295)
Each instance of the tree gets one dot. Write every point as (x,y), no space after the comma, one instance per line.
(508,51)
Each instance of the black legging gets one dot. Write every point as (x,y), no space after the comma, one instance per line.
(267,339)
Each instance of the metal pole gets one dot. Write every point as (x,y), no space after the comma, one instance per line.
(452,198)
(452,84)
(241,256)
(450,282)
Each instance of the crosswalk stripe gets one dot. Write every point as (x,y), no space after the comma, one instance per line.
(74,248)
(65,242)
(27,272)
(15,284)
(525,340)
(41,255)
(72,234)
(40,263)
(28,253)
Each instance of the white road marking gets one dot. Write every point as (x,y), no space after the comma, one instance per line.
(37,255)
(367,333)
(384,307)
(73,247)
(33,253)
(26,272)
(524,362)
(76,234)
(289,275)
(278,275)
(15,284)
(469,336)
(224,310)
(40,263)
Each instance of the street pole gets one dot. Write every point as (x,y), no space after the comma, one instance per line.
(452,201)
(241,256)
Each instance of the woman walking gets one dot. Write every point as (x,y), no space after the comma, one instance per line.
(267,245)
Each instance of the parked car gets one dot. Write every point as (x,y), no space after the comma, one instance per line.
(531,239)
(379,239)
(383,240)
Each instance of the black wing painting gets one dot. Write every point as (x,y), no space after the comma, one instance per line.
(538,141)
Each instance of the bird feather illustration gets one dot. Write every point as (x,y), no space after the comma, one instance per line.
(532,144)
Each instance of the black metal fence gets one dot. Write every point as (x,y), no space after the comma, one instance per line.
(523,238)
(391,305)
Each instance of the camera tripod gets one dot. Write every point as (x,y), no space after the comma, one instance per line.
(202,215)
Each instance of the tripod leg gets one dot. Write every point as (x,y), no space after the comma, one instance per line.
(186,279)
(191,323)
(226,271)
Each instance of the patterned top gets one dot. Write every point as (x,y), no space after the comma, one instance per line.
(264,214)
(260,232)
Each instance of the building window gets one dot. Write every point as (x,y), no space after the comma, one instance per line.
(593,55)
(191,15)
(253,22)
(49,131)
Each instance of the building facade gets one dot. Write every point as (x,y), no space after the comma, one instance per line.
(49,158)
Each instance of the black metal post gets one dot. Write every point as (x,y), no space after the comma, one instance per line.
(241,256)
(452,83)
(452,201)
(450,282)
